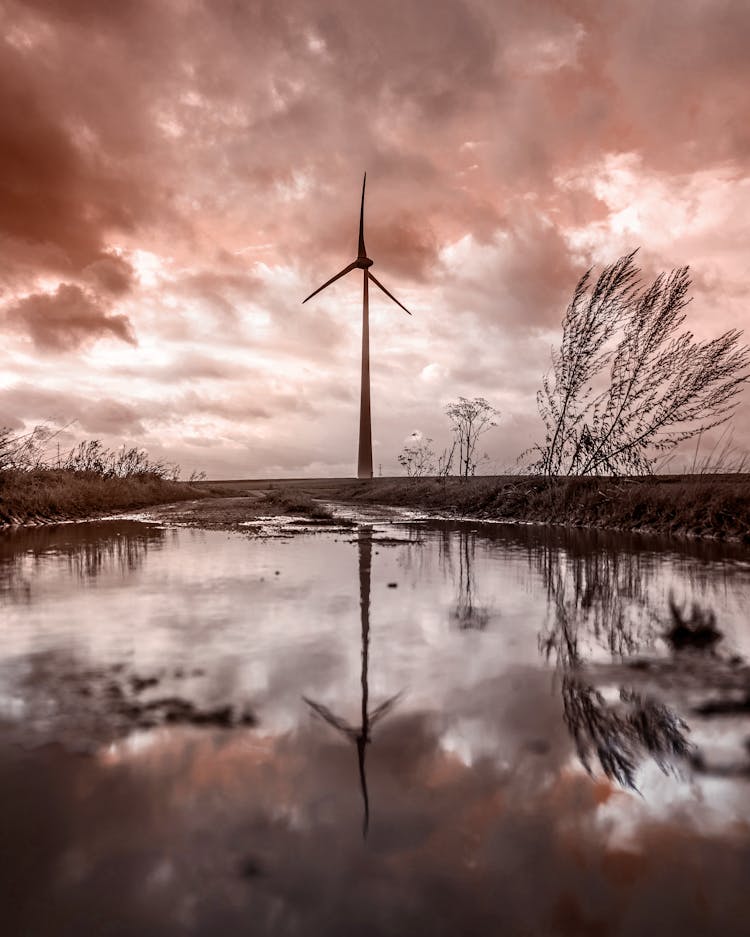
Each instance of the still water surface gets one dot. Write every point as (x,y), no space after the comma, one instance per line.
(438,728)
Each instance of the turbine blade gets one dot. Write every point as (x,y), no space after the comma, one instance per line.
(333,720)
(361,249)
(378,283)
(332,280)
(384,708)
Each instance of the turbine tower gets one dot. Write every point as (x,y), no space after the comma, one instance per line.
(363,262)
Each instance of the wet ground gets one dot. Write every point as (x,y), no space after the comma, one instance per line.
(227,721)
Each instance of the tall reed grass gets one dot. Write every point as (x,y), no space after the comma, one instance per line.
(38,483)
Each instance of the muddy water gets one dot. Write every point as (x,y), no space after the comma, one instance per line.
(388,729)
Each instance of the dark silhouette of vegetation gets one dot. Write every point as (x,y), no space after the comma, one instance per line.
(32,451)
(418,457)
(586,594)
(621,736)
(698,631)
(470,419)
(24,450)
(93,457)
(627,385)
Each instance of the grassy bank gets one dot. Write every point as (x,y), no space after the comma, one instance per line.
(58,494)
(715,506)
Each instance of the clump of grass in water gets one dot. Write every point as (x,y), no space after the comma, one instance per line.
(297,502)
(698,631)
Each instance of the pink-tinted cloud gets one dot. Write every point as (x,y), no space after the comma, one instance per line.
(110,274)
(66,319)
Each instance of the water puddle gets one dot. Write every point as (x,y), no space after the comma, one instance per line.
(381,727)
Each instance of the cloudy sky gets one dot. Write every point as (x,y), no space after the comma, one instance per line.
(176,176)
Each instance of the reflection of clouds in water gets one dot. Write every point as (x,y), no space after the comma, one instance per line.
(246,834)
(215,601)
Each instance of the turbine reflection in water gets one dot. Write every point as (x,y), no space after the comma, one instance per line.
(361,735)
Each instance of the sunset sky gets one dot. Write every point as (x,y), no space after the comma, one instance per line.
(176,176)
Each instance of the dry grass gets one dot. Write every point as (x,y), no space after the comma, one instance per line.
(289,501)
(59,494)
(688,505)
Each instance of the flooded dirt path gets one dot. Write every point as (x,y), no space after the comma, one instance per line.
(258,722)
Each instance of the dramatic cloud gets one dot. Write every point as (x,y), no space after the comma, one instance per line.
(187,173)
(66,319)
(111,273)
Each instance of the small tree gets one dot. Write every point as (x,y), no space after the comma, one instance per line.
(627,384)
(470,419)
(418,458)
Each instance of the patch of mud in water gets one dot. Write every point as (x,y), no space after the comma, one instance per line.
(53,698)
(283,525)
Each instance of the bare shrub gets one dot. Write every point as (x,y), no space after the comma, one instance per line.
(469,419)
(418,459)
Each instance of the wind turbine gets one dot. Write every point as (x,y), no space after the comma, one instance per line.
(363,262)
